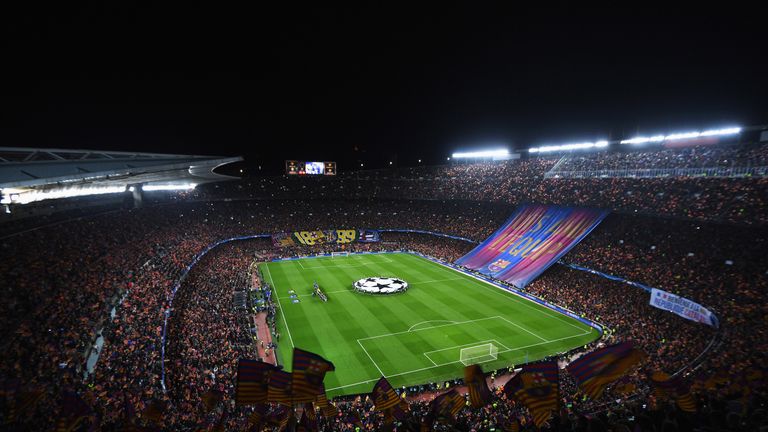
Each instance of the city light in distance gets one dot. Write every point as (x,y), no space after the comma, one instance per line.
(481,154)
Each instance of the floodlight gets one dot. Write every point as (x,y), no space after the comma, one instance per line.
(683,136)
(24,196)
(567,147)
(481,154)
(168,187)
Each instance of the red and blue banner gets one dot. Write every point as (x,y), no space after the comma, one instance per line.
(534,238)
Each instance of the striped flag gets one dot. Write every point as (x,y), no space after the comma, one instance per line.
(675,388)
(221,425)
(311,413)
(479,394)
(308,422)
(258,415)
(511,425)
(328,409)
(537,387)
(448,404)
(278,416)
(74,412)
(308,373)
(384,396)
(354,418)
(252,381)
(210,399)
(23,401)
(153,411)
(595,371)
(279,389)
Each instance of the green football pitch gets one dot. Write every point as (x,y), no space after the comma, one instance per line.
(413,337)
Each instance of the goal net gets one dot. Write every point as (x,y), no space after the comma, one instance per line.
(479,354)
(335,254)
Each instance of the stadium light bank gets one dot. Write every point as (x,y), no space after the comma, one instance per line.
(26,196)
(568,147)
(639,140)
(498,153)
(682,136)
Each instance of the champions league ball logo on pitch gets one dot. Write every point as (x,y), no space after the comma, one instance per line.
(380,285)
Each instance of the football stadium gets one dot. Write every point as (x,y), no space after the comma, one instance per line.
(453,218)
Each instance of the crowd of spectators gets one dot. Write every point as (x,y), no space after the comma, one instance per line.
(113,274)
(735,200)
(700,156)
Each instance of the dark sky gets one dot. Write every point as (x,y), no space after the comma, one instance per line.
(371,82)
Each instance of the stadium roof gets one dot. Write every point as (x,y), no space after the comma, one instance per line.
(32,171)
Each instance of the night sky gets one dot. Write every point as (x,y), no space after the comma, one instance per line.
(372,83)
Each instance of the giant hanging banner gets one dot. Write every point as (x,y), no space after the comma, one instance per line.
(533,238)
(687,309)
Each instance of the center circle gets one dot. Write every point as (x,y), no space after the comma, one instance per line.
(380,285)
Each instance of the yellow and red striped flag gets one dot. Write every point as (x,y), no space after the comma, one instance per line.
(309,370)
(537,387)
(252,381)
(597,370)
(479,394)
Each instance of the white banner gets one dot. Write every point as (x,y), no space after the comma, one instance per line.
(682,306)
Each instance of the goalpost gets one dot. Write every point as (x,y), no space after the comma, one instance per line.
(478,354)
(335,254)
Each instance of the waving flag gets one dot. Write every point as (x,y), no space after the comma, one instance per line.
(74,412)
(328,409)
(597,370)
(479,394)
(212,398)
(279,389)
(308,422)
(384,396)
(258,415)
(22,401)
(675,388)
(308,373)
(448,404)
(354,418)
(153,411)
(537,387)
(252,381)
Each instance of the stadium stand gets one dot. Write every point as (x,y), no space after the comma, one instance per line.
(98,286)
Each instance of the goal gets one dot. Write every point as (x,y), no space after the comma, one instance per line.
(335,254)
(479,354)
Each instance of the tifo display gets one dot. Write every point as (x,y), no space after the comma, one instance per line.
(311,238)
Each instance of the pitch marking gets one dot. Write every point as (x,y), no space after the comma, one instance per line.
(457,361)
(424,322)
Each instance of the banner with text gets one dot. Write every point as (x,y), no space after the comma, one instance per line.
(534,238)
(311,238)
(687,309)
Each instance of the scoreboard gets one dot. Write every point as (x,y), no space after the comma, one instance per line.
(293,167)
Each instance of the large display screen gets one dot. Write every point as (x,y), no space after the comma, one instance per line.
(293,167)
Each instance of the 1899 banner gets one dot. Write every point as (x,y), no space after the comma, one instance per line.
(311,238)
